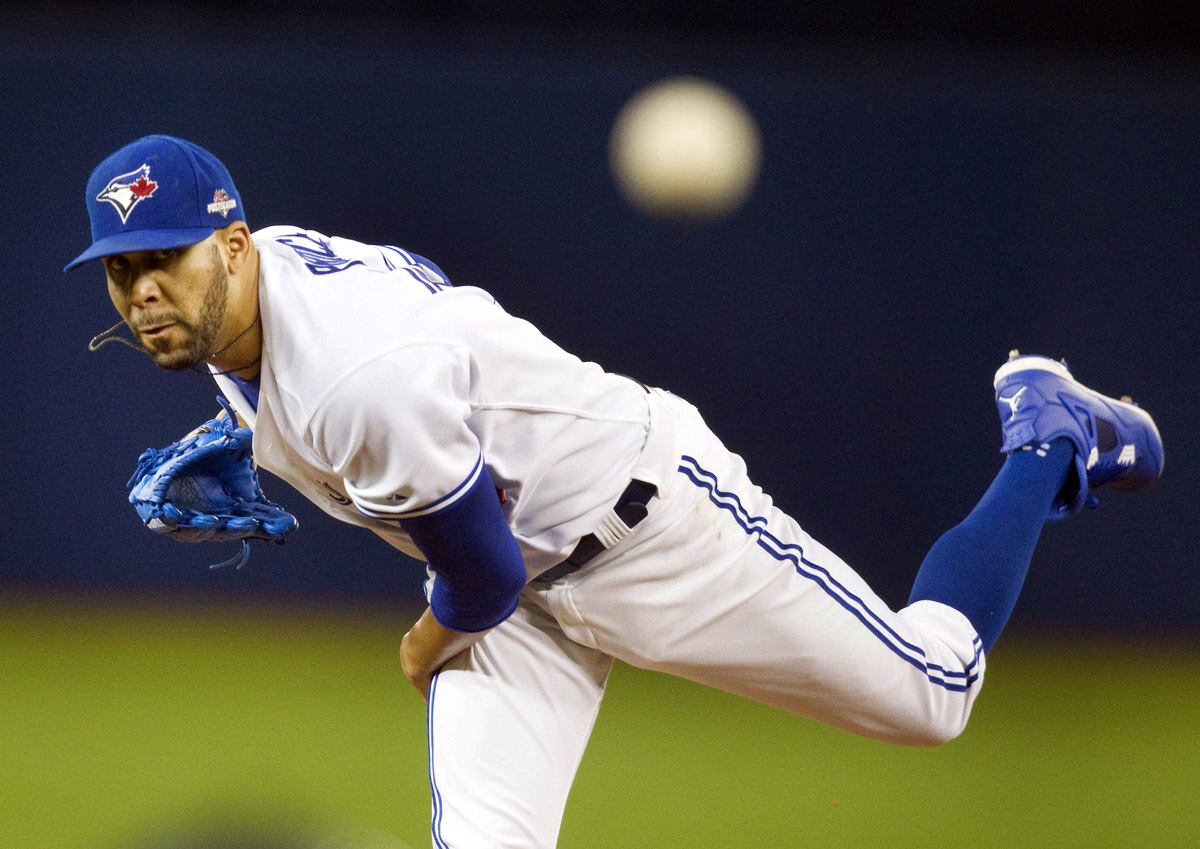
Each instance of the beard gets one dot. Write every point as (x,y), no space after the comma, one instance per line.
(199,336)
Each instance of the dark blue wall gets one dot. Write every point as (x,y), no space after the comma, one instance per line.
(921,211)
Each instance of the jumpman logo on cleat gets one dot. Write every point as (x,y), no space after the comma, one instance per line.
(1014,402)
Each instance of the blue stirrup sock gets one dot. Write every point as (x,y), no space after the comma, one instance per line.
(978,566)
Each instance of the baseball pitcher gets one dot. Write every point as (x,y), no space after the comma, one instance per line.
(568,515)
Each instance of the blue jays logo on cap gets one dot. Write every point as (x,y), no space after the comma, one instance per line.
(157,193)
(128,190)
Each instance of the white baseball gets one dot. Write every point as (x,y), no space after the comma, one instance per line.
(685,148)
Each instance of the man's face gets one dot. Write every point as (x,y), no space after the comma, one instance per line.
(173,300)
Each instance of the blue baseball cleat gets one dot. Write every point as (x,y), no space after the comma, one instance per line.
(1116,442)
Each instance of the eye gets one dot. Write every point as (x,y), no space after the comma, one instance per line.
(116,263)
(165,253)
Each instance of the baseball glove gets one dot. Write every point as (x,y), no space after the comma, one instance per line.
(205,488)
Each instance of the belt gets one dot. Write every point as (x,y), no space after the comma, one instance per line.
(630,508)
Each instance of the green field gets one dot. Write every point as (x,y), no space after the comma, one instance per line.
(122,724)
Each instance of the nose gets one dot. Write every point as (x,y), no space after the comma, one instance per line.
(144,291)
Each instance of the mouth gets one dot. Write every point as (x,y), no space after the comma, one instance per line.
(154,328)
(155,331)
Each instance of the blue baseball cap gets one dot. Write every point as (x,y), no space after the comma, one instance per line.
(156,193)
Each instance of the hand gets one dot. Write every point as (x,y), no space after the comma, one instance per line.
(205,487)
(426,648)
(415,667)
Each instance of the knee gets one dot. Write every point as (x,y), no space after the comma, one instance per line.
(936,736)
(927,731)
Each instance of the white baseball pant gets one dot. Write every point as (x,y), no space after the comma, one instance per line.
(717,586)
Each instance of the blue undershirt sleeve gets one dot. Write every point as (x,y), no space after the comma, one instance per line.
(428,264)
(476,559)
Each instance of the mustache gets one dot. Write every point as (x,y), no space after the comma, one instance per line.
(155,319)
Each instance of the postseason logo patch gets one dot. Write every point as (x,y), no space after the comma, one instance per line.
(128,190)
(222,203)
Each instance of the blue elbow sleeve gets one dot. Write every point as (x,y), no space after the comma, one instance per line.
(478,564)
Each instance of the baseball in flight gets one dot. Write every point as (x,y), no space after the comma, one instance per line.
(685,148)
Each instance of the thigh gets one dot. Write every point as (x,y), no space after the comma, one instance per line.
(732,593)
(508,723)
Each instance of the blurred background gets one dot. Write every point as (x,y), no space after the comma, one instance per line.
(929,186)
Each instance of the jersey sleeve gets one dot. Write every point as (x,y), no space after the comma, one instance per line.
(395,430)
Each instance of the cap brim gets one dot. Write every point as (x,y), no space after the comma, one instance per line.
(141,240)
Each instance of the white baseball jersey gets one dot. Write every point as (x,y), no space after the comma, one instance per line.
(383,390)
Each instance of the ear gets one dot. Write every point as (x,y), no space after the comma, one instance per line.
(238,245)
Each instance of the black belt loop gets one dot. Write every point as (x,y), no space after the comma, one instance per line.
(630,507)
